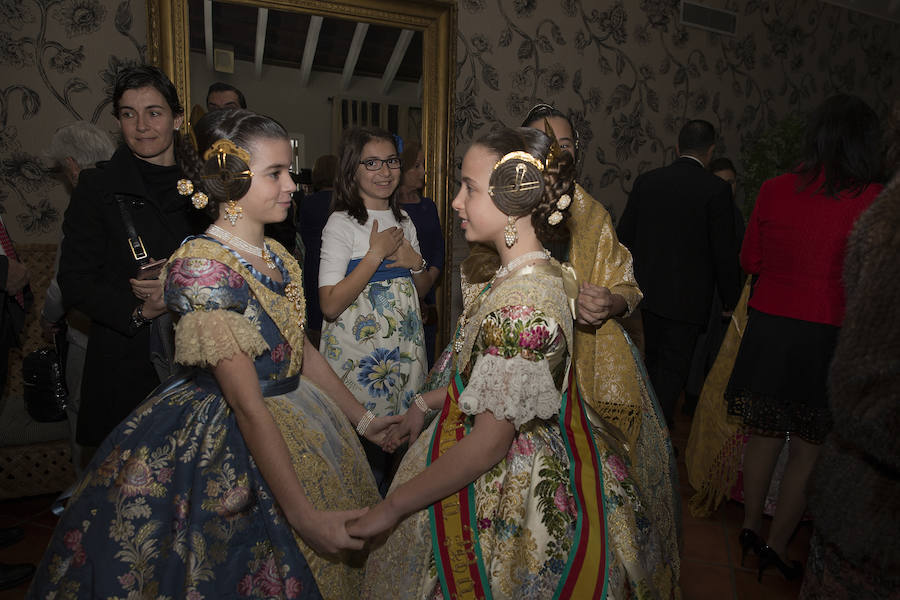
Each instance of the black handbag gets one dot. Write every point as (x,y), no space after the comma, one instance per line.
(45,386)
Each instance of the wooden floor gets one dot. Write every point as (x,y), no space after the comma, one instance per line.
(710,567)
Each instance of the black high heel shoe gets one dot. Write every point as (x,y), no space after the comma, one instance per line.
(768,557)
(749,541)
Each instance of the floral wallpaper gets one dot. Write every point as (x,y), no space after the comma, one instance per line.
(58,62)
(629,74)
(626,71)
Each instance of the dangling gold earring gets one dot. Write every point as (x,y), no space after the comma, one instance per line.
(510,233)
(233,212)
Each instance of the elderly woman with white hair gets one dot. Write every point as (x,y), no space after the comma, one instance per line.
(74,147)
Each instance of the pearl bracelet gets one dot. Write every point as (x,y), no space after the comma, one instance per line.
(364,423)
(420,402)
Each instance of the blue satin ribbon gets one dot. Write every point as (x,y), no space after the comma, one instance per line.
(383,273)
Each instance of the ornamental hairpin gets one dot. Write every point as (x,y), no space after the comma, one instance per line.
(520,183)
(220,149)
(223,146)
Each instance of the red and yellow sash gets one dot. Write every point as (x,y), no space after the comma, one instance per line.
(454,530)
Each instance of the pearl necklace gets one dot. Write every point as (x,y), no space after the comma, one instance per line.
(517,262)
(241,244)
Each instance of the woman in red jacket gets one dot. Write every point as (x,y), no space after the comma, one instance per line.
(795,244)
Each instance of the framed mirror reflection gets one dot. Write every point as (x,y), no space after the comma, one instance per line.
(321,67)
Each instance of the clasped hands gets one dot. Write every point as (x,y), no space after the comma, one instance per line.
(351,529)
(389,244)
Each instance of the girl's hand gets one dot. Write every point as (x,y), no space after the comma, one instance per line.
(408,430)
(326,532)
(406,257)
(379,519)
(384,243)
(380,426)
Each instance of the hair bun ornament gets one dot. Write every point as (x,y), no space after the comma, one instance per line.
(227,175)
(564,201)
(514,179)
(555,218)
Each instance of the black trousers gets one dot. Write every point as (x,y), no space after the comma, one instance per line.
(669,347)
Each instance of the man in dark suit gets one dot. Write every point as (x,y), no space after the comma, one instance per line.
(15,296)
(679,226)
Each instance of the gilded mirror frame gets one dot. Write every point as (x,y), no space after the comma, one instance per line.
(167,47)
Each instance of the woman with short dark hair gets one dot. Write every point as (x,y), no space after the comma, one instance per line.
(132,196)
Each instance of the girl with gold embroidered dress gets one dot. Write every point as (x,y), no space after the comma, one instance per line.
(517,489)
(218,485)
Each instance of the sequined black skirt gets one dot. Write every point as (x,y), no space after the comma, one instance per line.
(779,379)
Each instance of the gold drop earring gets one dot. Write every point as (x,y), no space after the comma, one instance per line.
(510,233)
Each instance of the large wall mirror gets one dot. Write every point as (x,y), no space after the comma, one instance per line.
(321,66)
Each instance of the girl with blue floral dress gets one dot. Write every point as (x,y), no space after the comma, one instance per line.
(369,273)
(220,483)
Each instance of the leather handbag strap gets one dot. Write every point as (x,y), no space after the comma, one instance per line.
(135,243)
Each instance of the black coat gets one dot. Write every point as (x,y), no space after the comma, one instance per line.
(94,268)
(679,225)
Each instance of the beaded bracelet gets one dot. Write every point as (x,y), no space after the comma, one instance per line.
(363,424)
(420,402)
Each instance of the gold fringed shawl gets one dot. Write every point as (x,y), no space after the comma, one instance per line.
(286,311)
(607,375)
(716,443)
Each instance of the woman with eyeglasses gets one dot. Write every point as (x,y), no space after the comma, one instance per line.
(369,276)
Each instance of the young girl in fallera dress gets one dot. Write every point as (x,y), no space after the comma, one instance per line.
(369,273)
(217,485)
(517,489)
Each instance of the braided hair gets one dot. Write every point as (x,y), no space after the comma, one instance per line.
(556,178)
(225,180)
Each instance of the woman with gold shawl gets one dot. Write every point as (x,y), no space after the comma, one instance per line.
(517,489)
(218,484)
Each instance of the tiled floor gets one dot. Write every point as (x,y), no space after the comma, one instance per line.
(710,567)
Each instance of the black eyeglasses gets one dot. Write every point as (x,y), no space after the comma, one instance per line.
(375,164)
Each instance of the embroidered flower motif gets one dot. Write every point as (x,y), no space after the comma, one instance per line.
(410,326)
(181,507)
(484,524)
(164,475)
(203,272)
(380,371)
(365,327)
(332,350)
(293,587)
(194,595)
(245,585)
(534,337)
(72,539)
(563,501)
(136,479)
(127,580)
(281,352)
(266,579)
(381,297)
(522,445)
(617,465)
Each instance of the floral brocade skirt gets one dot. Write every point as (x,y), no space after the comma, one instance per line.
(173,505)
(377,346)
(526,523)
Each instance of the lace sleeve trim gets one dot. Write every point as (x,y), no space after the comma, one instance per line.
(515,389)
(204,337)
